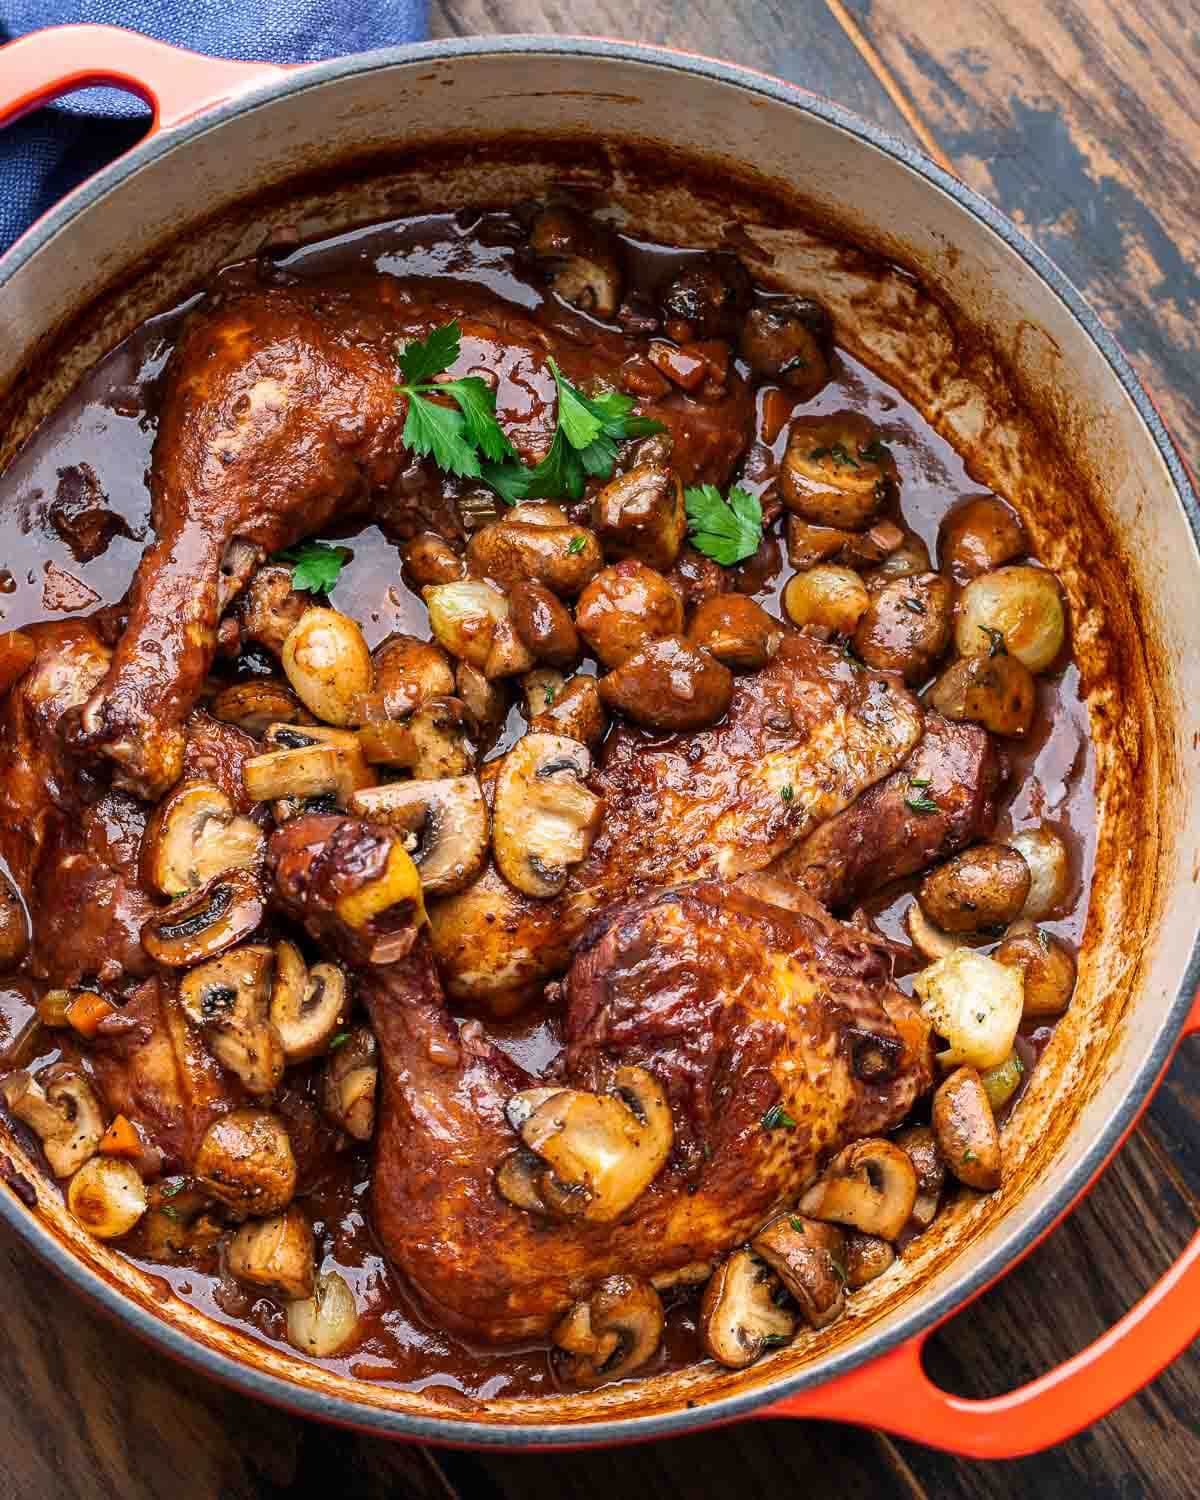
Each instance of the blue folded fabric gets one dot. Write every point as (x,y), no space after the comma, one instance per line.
(45,154)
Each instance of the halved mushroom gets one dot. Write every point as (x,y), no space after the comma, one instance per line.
(194,835)
(966,1130)
(229,999)
(576,711)
(255,705)
(544,816)
(107,1196)
(640,514)
(918,1141)
(271,607)
(809,1257)
(202,923)
(585,269)
(871,1185)
(307,1005)
(739,1316)
(867,1256)
(348,1083)
(61,1108)
(441,737)
(326,1322)
(307,761)
(611,1333)
(930,941)
(445,823)
(276,1253)
(600,1151)
(408,672)
(245,1159)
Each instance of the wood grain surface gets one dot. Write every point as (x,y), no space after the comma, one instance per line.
(1081,118)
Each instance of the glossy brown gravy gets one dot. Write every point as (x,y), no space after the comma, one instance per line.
(101,439)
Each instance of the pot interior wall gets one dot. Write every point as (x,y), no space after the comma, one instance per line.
(984,348)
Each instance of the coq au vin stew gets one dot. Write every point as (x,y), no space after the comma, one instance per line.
(545,818)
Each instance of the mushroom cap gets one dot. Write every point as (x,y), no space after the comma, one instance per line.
(60,1105)
(245,1159)
(871,1185)
(739,1316)
(228,998)
(195,835)
(307,1005)
(809,1257)
(446,822)
(204,922)
(611,1333)
(543,816)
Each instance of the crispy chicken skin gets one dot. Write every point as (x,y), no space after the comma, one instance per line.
(280,414)
(733,1003)
(802,739)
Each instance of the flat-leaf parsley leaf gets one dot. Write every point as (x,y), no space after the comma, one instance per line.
(776,1118)
(316,567)
(455,435)
(726,531)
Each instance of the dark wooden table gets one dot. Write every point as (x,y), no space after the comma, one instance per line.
(1081,118)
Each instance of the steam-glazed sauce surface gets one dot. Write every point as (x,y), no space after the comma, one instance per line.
(799,789)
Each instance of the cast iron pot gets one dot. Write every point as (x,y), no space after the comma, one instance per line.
(990,342)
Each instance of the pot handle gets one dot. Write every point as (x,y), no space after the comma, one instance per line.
(894,1392)
(175,83)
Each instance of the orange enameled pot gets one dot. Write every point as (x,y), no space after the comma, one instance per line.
(945,299)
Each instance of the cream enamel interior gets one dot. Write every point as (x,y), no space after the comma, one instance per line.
(992,343)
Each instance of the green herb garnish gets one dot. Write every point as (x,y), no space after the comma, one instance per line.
(920,781)
(726,531)
(996,640)
(585,445)
(797,1224)
(839,1270)
(456,436)
(837,452)
(968,1156)
(169,1189)
(576,545)
(921,804)
(787,793)
(773,1340)
(316,567)
(874,452)
(339,1040)
(547,697)
(776,1118)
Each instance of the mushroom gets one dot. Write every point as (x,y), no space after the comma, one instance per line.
(445,823)
(408,672)
(600,1151)
(789,340)
(257,704)
(307,761)
(835,471)
(625,608)
(509,655)
(324,1323)
(966,1130)
(904,561)
(1046,966)
(541,687)
(194,835)
(640,514)
(328,665)
(544,816)
(929,941)
(486,702)
(809,1257)
(975,1003)
(583,256)
(576,711)
(180,1225)
(271,607)
(440,731)
(61,1108)
(996,691)
(867,1256)
(512,551)
(229,1000)
(707,299)
(736,630)
(871,1186)
(14,924)
(977,891)
(977,535)
(669,685)
(429,558)
(107,1196)
(739,1316)
(828,595)
(276,1253)
(245,1159)
(307,1005)
(348,1083)
(543,624)
(612,1332)
(204,922)
(918,1141)
(907,626)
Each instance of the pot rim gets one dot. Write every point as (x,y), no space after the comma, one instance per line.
(1008,1248)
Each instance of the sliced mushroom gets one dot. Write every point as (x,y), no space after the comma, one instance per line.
(611,1333)
(60,1106)
(202,923)
(441,736)
(576,712)
(918,1141)
(307,1005)
(107,1196)
(929,941)
(255,705)
(328,665)
(871,1186)
(867,1256)
(325,1323)
(229,999)
(585,269)
(809,1257)
(739,1316)
(195,835)
(307,761)
(348,1083)
(429,558)
(601,1151)
(408,672)
(544,817)
(966,1130)
(445,823)
(276,1253)
(245,1159)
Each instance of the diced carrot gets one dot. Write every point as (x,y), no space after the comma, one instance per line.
(87,1010)
(52,1008)
(777,407)
(121,1139)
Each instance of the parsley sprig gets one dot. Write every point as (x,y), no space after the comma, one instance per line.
(458,437)
(725,530)
(316,566)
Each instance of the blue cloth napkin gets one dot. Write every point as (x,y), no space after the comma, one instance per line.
(45,154)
